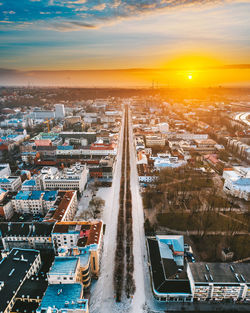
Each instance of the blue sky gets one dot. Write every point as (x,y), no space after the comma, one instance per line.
(92,34)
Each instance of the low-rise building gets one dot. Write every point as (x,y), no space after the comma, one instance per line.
(169,277)
(6,207)
(5,170)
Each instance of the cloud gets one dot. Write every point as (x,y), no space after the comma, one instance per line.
(96,13)
(99,7)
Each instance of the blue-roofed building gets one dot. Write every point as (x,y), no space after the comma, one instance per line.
(65,148)
(63,298)
(64,270)
(34,202)
(237,182)
(11,183)
(50,195)
(172,245)
(169,277)
(29,185)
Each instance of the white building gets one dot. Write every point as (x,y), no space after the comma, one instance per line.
(34,202)
(5,170)
(11,183)
(163,127)
(42,115)
(237,182)
(73,178)
(152,141)
(59,111)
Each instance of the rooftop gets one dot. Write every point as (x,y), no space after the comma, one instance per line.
(63,296)
(29,229)
(64,265)
(13,270)
(220,272)
(167,277)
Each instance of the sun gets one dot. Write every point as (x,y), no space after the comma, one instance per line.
(190,77)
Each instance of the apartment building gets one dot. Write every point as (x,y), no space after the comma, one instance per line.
(220,281)
(34,202)
(29,235)
(83,239)
(175,280)
(18,266)
(64,298)
(64,209)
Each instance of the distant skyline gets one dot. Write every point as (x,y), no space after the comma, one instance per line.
(168,40)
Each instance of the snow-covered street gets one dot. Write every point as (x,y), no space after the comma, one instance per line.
(139,249)
(143,300)
(102,293)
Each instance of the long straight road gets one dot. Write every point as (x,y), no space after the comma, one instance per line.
(102,297)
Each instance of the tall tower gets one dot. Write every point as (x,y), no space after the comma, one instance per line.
(59,111)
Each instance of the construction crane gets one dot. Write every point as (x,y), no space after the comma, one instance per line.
(48,123)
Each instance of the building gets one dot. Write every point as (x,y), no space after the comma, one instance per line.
(59,111)
(73,178)
(64,298)
(85,238)
(5,170)
(173,279)
(152,141)
(6,207)
(18,266)
(42,114)
(167,161)
(11,183)
(163,127)
(237,182)
(64,270)
(34,202)
(64,209)
(29,235)
(169,277)
(220,281)
(187,136)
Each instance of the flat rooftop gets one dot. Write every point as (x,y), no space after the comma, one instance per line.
(63,296)
(28,229)
(232,273)
(64,265)
(13,270)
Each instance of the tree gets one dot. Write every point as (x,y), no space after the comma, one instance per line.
(95,206)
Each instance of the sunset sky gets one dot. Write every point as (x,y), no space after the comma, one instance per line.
(174,42)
